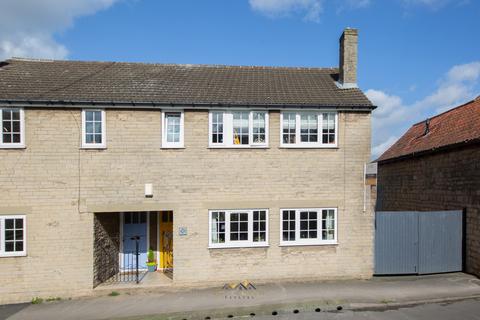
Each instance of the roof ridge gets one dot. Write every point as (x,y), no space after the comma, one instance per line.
(178,64)
(447,111)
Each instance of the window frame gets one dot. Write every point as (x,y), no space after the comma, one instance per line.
(12,145)
(319,144)
(3,253)
(94,145)
(228,129)
(173,145)
(309,242)
(238,243)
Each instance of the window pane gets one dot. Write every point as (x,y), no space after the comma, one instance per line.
(288,127)
(9,246)
(218,227)
(7,138)
(16,126)
(97,116)
(239,226)
(308,224)
(19,246)
(308,127)
(328,224)
(9,235)
(288,224)
(7,126)
(328,128)
(127,217)
(98,138)
(173,127)
(15,114)
(6,114)
(16,138)
(258,127)
(240,128)
(217,127)
(89,138)
(259,226)
(9,223)
(89,115)
(98,127)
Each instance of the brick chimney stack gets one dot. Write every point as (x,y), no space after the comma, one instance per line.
(348,59)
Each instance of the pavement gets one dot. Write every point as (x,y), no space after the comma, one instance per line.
(377,294)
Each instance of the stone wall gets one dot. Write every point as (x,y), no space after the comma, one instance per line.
(106,246)
(60,187)
(441,181)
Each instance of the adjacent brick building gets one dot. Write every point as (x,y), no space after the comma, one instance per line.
(435,165)
(226,173)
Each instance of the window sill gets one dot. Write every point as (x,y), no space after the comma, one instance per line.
(172,147)
(22,146)
(308,244)
(307,147)
(13,255)
(238,147)
(239,246)
(93,148)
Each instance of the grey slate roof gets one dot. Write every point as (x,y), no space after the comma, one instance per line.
(76,81)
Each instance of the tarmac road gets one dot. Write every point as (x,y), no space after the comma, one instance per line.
(462,310)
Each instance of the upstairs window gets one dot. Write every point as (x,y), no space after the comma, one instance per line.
(238,228)
(12,236)
(93,127)
(238,129)
(309,129)
(12,124)
(172,134)
(311,226)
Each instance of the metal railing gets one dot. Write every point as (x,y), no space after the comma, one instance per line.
(129,269)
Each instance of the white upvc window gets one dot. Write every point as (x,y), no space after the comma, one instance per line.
(94,129)
(308,129)
(238,228)
(13,238)
(308,226)
(12,121)
(238,129)
(172,129)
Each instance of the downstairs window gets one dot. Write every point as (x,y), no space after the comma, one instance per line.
(12,236)
(238,228)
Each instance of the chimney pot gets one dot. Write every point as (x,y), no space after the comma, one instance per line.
(348,58)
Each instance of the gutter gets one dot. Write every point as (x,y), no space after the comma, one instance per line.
(156,105)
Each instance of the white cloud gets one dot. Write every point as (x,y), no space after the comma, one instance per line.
(27,27)
(279,8)
(310,9)
(382,147)
(393,116)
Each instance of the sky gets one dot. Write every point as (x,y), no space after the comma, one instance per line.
(417,58)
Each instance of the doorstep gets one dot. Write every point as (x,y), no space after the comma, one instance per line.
(151,280)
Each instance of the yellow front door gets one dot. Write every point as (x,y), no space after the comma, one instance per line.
(166,240)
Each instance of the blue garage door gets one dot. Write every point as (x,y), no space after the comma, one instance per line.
(413,242)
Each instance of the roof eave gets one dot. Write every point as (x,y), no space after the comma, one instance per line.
(157,105)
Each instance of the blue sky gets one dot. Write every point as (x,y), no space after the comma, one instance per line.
(416,57)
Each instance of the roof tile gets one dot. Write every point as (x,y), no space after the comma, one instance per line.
(458,125)
(77,81)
